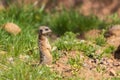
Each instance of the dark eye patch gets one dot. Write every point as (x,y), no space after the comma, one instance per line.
(46,29)
(41,30)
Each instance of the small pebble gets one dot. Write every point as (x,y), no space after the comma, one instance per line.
(12,28)
(112,72)
(11,60)
(116,64)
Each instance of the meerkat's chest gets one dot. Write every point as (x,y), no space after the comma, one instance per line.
(44,43)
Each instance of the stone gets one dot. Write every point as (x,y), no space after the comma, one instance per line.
(116,64)
(115,30)
(92,34)
(112,72)
(113,35)
(10,60)
(12,28)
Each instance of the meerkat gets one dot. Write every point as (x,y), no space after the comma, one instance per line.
(44,46)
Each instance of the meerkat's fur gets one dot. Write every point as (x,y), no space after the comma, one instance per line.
(44,46)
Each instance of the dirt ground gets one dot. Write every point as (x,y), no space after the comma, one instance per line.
(91,68)
(106,67)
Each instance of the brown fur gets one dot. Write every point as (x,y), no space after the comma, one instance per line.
(44,48)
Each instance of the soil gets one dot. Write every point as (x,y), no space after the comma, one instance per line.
(91,68)
(106,67)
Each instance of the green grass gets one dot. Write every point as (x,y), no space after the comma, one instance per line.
(69,42)
(100,40)
(29,21)
(23,71)
(70,20)
(25,43)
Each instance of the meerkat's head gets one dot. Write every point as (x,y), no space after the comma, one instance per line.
(44,30)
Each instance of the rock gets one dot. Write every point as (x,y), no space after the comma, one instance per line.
(114,41)
(115,30)
(92,34)
(110,61)
(116,64)
(12,28)
(85,65)
(10,60)
(113,35)
(112,72)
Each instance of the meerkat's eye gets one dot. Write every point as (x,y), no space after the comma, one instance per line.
(46,29)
